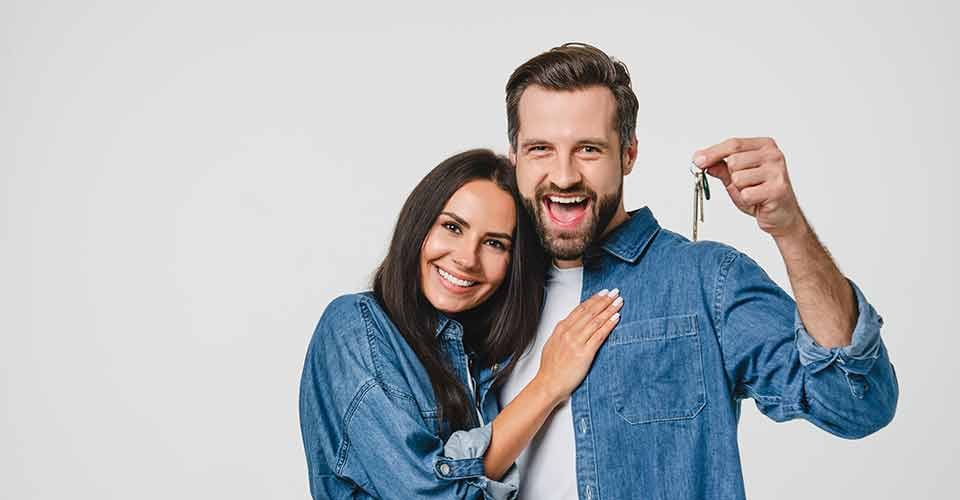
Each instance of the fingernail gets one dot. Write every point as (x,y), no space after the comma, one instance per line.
(603,292)
(618,301)
(615,317)
(613,293)
(700,160)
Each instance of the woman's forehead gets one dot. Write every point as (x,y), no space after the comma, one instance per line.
(485,206)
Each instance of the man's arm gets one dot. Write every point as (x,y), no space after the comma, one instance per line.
(754,173)
(825,300)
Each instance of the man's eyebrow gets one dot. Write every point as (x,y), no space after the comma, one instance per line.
(593,141)
(466,224)
(531,142)
(596,141)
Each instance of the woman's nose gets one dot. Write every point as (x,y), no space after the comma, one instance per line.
(465,257)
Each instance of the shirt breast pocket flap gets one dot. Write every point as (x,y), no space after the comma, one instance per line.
(658,369)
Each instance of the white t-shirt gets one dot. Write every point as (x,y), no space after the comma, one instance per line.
(548,466)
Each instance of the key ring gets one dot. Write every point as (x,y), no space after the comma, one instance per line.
(697,171)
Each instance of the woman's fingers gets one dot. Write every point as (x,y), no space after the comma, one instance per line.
(587,310)
(602,332)
(602,320)
(595,314)
(584,308)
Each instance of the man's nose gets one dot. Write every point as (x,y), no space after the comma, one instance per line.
(565,173)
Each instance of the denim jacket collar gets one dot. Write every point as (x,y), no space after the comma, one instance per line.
(447,324)
(628,241)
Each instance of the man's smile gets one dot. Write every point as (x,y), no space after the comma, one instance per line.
(566,211)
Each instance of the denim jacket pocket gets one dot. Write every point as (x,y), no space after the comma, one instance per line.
(657,369)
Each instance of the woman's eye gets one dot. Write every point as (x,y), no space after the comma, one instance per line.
(453,228)
(497,244)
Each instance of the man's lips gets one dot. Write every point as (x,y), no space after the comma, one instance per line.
(566,211)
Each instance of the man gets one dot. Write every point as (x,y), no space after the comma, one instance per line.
(702,326)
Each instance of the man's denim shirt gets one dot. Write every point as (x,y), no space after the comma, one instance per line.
(703,327)
(368,419)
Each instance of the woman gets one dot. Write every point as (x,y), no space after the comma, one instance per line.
(395,398)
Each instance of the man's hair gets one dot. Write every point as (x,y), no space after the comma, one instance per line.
(574,66)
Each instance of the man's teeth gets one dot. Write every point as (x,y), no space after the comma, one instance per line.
(453,279)
(567,199)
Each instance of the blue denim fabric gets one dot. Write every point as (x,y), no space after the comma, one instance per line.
(368,419)
(703,327)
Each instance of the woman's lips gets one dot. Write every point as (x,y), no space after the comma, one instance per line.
(451,286)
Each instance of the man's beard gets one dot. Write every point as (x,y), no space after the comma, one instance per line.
(572,245)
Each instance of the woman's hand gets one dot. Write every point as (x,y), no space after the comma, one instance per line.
(569,351)
(564,362)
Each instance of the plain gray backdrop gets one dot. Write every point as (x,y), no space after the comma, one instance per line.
(185,185)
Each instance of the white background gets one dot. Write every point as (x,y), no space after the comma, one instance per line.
(184,186)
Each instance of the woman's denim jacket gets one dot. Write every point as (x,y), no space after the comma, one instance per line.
(368,415)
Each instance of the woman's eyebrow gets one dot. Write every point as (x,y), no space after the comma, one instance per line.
(457,218)
(466,224)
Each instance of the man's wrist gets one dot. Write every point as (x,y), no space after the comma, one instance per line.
(797,240)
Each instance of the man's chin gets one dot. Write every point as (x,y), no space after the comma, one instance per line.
(566,248)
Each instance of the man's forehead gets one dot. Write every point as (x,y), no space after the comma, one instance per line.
(566,113)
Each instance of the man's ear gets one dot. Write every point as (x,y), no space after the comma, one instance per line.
(630,156)
(513,156)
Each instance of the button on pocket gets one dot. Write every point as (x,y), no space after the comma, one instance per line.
(660,369)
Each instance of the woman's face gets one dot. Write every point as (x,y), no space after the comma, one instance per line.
(466,254)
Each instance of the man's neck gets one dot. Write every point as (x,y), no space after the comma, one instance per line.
(619,217)
(568,264)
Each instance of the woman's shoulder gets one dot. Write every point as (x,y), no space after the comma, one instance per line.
(350,307)
(357,321)
(355,340)
(348,321)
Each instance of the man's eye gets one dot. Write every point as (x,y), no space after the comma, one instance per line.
(453,228)
(537,149)
(590,149)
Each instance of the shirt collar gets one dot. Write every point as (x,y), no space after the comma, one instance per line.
(628,240)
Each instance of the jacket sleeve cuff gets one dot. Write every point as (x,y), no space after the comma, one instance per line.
(463,458)
(859,356)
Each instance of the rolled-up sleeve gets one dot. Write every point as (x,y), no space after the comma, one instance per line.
(849,391)
(392,455)
(471,446)
(858,357)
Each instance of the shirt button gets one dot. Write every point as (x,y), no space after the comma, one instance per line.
(583,425)
(445,469)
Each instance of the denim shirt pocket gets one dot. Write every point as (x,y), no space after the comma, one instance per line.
(657,369)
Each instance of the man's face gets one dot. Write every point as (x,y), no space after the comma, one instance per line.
(569,166)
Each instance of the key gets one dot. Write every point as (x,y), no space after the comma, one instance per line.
(701,190)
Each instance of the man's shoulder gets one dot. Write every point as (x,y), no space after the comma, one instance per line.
(671,246)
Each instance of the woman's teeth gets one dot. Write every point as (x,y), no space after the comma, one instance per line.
(453,279)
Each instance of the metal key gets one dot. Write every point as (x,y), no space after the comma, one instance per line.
(701,189)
